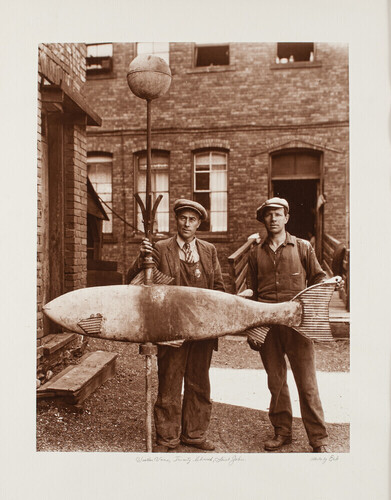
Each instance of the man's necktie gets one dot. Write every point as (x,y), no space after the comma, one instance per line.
(188,253)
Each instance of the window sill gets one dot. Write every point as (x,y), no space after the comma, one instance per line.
(101,76)
(140,236)
(296,65)
(202,235)
(212,237)
(210,69)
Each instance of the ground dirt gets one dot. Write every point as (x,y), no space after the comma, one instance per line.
(112,419)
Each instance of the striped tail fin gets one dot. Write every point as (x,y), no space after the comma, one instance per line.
(158,278)
(315,302)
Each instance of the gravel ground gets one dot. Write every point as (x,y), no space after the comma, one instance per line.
(113,417)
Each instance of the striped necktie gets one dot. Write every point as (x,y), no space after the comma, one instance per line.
(188,253)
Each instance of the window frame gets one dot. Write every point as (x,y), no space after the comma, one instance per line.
(205,45)
(209,232)
(314,63)
(106,61)
(153,52)
(109,159)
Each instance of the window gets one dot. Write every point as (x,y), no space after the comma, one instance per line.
(212,55)
(99,168)
(99,58)
(160,49)
(295,52)
(210,188)
(159,185)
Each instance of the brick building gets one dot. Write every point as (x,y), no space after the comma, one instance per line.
(63,114)
(241,122)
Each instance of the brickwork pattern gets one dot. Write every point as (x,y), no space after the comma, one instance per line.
(251,108)
(62,62)
(75,209)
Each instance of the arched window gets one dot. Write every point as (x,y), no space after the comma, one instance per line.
(210,188)
(159,185)
(99,169)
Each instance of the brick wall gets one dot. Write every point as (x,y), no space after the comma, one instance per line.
(252,107)
(75,209)
(62,63)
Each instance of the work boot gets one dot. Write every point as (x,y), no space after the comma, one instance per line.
(204,445)
(161,448)
(277,442)
(320,449)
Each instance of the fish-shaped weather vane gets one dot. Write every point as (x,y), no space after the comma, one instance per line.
(165,313)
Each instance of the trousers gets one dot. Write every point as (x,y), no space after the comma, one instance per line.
(188,421)
(283,340)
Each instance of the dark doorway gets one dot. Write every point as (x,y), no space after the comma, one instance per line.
(301,196)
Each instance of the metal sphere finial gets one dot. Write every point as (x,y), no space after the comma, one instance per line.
(149,77)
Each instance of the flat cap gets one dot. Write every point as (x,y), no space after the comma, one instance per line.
(183,204)
(271,203)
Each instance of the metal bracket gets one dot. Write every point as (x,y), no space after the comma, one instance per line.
(148,349)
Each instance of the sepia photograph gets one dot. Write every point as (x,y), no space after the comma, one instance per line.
(219,166)
(192,277)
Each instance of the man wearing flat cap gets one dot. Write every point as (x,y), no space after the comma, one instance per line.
(279,268)
(190,262)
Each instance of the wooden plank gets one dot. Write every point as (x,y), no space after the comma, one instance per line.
(328,253)
(44,391)
(75,379)
(77,382)
(245,247)
(328,249)
(241,263)
(330,240)
(57,342)
(241,278)
(242,287)
(52,94)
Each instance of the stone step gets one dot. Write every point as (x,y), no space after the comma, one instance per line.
(74,384)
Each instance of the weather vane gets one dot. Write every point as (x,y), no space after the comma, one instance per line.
(149,77)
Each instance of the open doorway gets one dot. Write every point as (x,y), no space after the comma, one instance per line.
(296,175)
(301,195)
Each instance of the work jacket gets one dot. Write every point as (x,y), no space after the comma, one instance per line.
(166,258)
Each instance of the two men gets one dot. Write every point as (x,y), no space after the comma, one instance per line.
(191,262)
(279,268)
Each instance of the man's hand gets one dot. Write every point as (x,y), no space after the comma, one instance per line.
(146,247)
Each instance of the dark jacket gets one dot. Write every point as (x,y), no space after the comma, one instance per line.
(166,257)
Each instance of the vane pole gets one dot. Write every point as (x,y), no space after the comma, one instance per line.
(148,348)
(148,77)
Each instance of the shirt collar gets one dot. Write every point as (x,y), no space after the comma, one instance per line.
(181,242)
(288,241)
